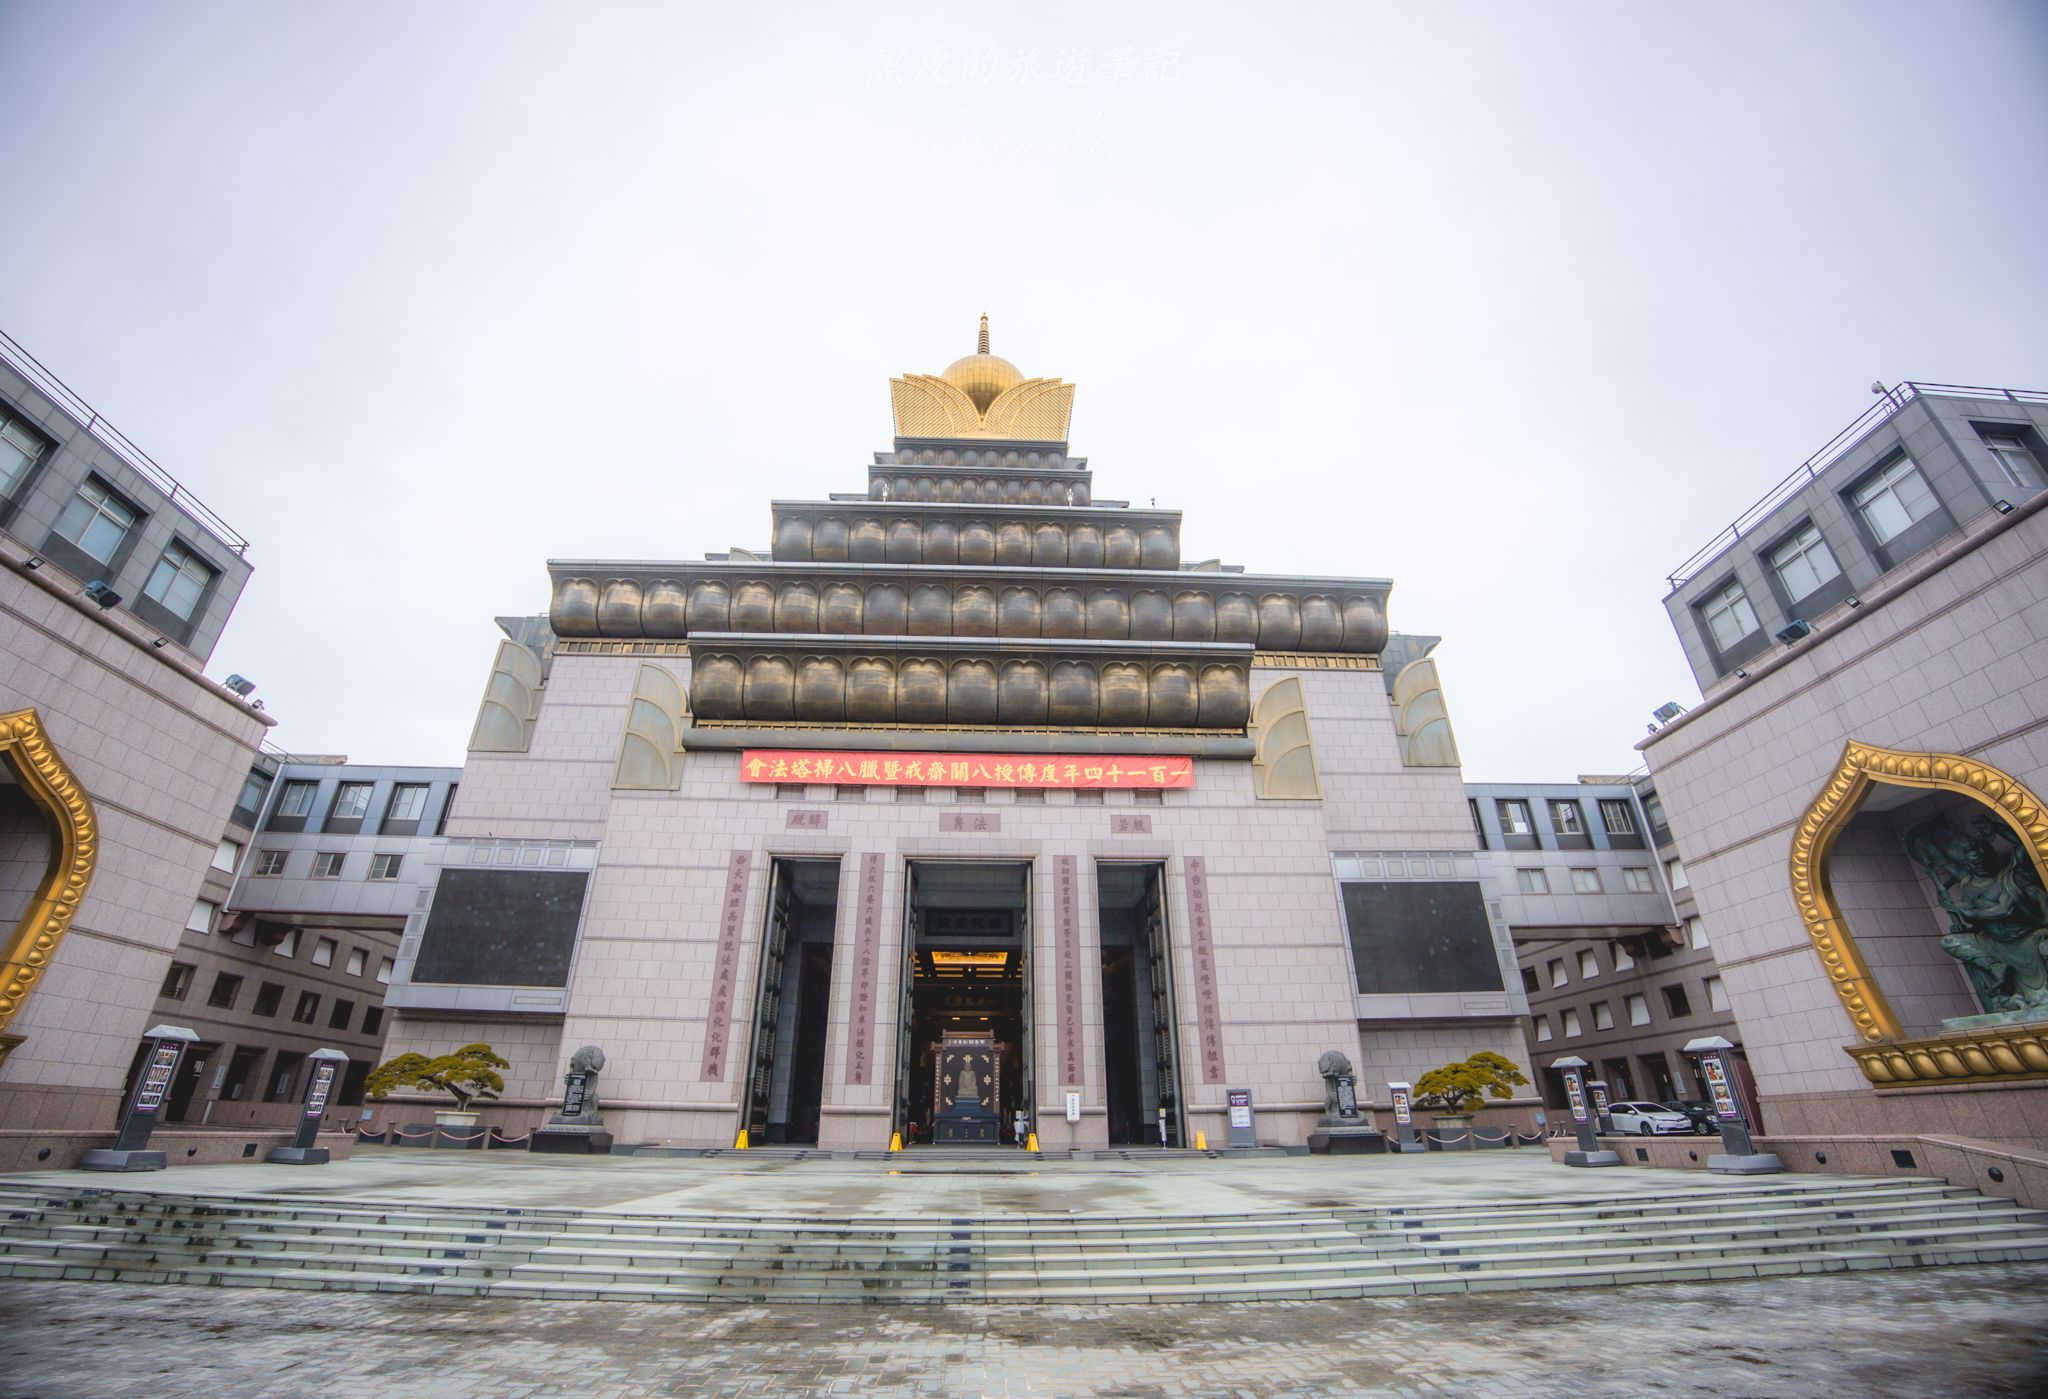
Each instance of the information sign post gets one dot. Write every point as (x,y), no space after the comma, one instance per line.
(163,1047)
(1717,1069)
(1589,1153)
(321,1084)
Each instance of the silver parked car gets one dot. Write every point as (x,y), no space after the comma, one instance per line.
(1648,1119)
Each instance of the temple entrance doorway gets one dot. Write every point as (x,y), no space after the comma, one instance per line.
(792,998)
(963,1070)
(1141,1060)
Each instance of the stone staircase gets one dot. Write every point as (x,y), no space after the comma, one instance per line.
(1784,1225)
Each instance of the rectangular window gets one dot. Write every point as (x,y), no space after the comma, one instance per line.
(447,810)
(284,1077)
(1589,964)
(308,1008)
(225,989)
(97,520)
(323,952)
(1558,975)
(1532,881)
(177,982)
(1696,932)
(1542,1027)
(1638,1010)
(20,446)
(1676,1003)
(1893,499)
(179,580)
(383,971)
(1603,1016)
(2015,460)
(1618,817)
(1529,981)
(343,1012)
(200,919)
(227,855)
(1478,827)
(1585,881)
(327,864)
(267,997)
(1622,960)
(1637,880)
(1566,818)
(1514,817)
(355,961)
(269,862)
(288,945)
(1717,994)
(373,1020)
(1728,616)
(408,802)
(1676,870)
(351,801)
(385,866)
(1803,563)
(297,798)
(1572,1028)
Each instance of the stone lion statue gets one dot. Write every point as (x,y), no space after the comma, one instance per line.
(589,1060)
(1333,1064)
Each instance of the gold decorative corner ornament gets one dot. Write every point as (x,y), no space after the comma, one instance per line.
(1862,768)
(1968,1056)
(982,395)
(74,850)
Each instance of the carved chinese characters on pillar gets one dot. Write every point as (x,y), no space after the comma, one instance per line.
(1209,1017)
(725,970)
(1067,962)
(860,1054)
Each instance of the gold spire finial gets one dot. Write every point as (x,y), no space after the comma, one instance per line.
(981,348)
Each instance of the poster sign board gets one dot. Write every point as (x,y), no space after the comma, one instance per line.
(1576,1092)
(1716,1074)
(1404,1112)
(1073,1106)
(323,1084)
(1242,1130)
(156,1079)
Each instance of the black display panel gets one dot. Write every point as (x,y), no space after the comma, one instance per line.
(501,928)
(1416,935)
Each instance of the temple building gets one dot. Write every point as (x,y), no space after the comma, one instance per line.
(1858,800)
(966,808)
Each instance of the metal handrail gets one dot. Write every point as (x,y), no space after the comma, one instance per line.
(116,441)
(1892,400)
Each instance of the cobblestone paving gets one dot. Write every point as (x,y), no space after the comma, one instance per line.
(1936,1332)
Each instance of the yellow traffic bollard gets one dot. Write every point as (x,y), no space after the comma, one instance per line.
(1031,1142)
(740,1142)
(1201,1141)
(895,1141)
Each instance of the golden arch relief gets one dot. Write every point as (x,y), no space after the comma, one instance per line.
(1863,767)
(74,849)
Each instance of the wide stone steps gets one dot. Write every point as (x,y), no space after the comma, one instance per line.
(1780,1226)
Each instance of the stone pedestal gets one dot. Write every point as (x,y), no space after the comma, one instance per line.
(297,1156)
(1591,1158)
(102,1158)
(571,1141)
(1761,1163)
(1338,1139)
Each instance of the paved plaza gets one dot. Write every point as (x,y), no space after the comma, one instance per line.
(1937,1332)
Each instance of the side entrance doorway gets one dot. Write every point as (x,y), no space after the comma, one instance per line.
(792,996)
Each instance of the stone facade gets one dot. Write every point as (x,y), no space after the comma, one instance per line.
(613,757)
(1827,933)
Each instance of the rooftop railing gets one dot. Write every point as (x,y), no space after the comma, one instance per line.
(1890,401)
(116,441)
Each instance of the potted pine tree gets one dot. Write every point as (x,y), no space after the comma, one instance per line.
(1468,1083)
(469,1073)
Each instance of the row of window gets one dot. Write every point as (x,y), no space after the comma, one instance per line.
(204,912)
(352,801)
(227,988)
(1677,1006)
(1566,817)
(98,520)
(1889,502)
(1634,878)
(329,864)
(1589,961)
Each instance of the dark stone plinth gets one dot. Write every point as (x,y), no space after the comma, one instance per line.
(1591,1158)
(102,1158)
(297,1156)
(965,1122)
(1347,1141)
(1756,1164)
(571,1141)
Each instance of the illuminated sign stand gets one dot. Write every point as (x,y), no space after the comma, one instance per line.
(163,1050)
(320,1085)
(1406,1138)
(1741,1157)
(1589,1153)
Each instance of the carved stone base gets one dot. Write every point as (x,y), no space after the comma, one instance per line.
(1992,1055)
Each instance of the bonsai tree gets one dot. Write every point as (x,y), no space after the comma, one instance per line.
(1453,1086)
(469,1073)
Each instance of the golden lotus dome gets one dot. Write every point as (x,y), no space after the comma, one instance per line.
(982,376)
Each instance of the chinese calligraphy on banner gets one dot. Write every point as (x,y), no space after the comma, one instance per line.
(719,1022)
(867,943)
(966,769)
(1208,1014)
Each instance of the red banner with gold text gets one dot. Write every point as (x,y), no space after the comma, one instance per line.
(965,769)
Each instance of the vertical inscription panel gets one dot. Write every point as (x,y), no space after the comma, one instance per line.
(1209,1018)
(867,939)
(1067,962)
(725,972)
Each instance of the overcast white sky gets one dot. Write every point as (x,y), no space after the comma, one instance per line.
(1515,304)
